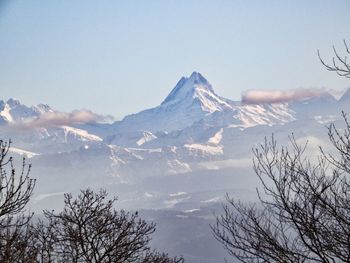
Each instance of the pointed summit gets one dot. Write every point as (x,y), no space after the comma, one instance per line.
(187,87)
(197,78)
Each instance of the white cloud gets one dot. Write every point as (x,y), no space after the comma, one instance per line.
(55,118)
(278,96)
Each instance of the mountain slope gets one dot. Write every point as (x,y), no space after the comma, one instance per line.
(13,116)
(193,99)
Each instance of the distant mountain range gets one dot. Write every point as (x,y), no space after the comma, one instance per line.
(182,153)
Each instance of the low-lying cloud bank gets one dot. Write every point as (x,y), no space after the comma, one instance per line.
(280,96)
(55,118)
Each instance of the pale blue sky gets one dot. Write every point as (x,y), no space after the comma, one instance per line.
(119,57)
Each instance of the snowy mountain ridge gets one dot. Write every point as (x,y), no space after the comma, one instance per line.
(184,144)
(193,99)
(12,111)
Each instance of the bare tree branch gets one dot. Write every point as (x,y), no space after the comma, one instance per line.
(339,64)
(303,214)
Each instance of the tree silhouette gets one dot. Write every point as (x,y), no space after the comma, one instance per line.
(15,192)
(89,229)
(15,189)
(304,209)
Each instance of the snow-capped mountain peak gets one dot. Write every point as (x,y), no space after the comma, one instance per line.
(192,99)
(187,87)
(12,110)
(195,90)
